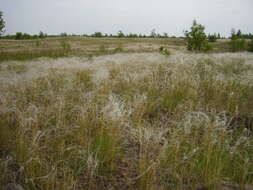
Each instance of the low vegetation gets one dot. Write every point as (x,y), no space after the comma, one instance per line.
(250,48)
(170,123)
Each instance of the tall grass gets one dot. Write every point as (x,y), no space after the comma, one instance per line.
(147,126)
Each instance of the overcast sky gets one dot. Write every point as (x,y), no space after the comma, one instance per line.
(136,16)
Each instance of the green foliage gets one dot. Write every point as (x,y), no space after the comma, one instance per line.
(207,47)
(42,35)
(196,38)
(250,48)
(25,36)
(212,37)
(2,24)
(121,34)
(132,35)
(164,51)
(239,34)
(97,35)
(18,35)
(237,44)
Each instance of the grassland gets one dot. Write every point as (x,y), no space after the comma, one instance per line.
(117,114)
(78,46)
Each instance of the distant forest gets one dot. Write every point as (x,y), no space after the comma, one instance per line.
(120,34)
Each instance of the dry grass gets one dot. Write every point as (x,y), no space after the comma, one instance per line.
(23,50)
(127,121)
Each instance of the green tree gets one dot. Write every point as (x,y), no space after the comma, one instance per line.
(42,35)
(2,24)
(196,38)
(212,37)
(19,36)
(120,34)
(97,35)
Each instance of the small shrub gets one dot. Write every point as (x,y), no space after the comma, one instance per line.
(164,51)
(161,48)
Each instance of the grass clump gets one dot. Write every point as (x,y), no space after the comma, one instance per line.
(84,79)
(205,152)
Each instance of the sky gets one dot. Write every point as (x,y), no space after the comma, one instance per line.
(130,16)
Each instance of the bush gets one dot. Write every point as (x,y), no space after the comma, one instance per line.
(164,51)
(238,45)
(196,38)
